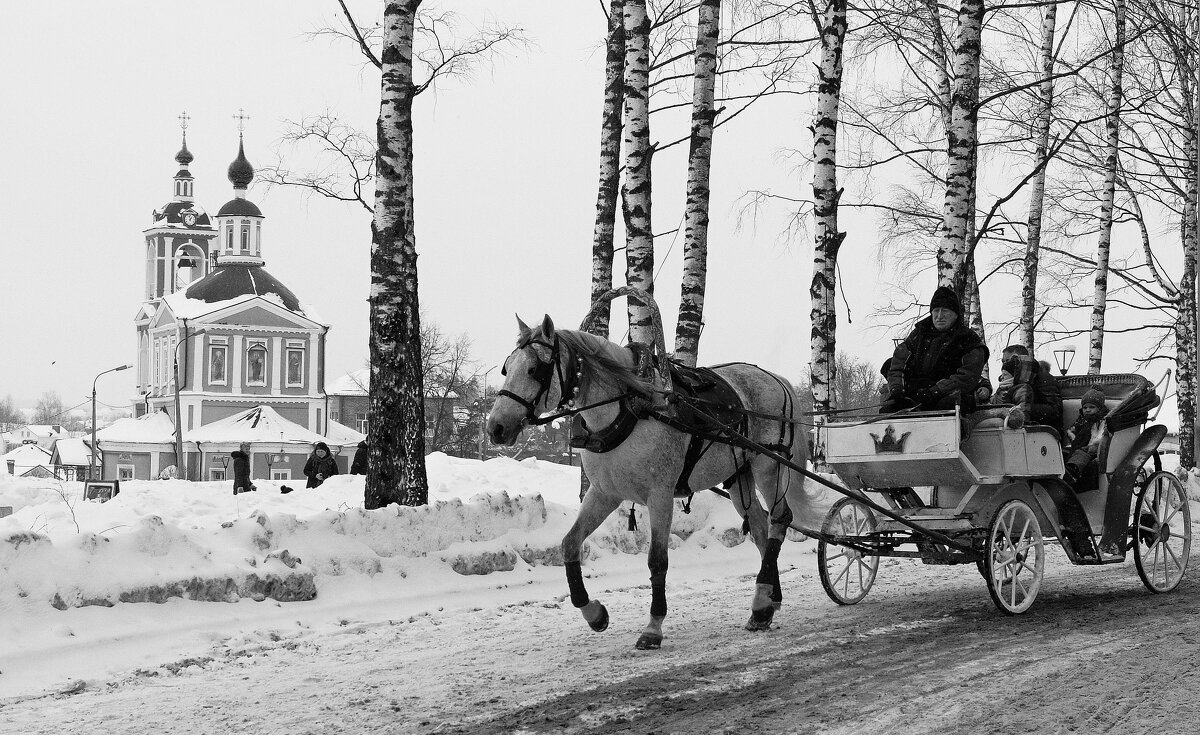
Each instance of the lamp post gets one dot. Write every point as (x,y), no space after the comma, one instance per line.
(180,464)
(1063,357)
(482,395)
(92,454)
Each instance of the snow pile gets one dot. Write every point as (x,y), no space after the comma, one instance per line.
(196,540)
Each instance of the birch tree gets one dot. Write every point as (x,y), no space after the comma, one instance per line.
(827,237)
(610,166)
(1041,133)
(397,446)
(695,236)
(639,152)
(1112,128)
(961,139)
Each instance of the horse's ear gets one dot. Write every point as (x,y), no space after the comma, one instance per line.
(547,325)
(522,326)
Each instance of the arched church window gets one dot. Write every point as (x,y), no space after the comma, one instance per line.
(258,238)
(229,237)
(245,236)
(256,364)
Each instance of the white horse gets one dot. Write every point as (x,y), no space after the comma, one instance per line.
(563,370)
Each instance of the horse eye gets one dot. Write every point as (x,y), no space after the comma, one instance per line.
(532,371)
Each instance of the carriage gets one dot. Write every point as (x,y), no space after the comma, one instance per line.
(954,489)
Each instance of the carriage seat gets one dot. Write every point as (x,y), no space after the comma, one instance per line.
(1129,398)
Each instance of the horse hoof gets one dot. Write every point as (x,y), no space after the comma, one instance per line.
(600,624)
(649,642)
(761,619)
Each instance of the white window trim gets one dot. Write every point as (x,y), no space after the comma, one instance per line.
(123,468)
(216,473)
(281,474)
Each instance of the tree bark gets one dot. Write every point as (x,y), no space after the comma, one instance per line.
(397,446)
(1037,191)
(961,139)
(1112,127)
(695,233)
(639,237)
(827,238)
(610,168)
(1185,328)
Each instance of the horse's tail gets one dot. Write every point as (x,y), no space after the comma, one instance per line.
(807,500)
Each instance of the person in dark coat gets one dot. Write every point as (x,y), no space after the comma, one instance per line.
(940,363)
(241,470)
(1083,441)
(359,464)
(1032,387)
(320,465)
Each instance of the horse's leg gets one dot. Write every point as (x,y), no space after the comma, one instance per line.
(768,595)
(597,506)
(660,506)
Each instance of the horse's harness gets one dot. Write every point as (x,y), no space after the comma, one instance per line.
(705,407)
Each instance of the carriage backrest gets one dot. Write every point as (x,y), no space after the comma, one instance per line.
(1116,386)
(1129,398)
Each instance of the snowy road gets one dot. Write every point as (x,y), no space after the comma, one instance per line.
(926,652)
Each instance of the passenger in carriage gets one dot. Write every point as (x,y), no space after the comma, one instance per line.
(1083,441)
(1024,382)
(940,363)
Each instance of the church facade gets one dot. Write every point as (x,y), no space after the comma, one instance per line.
(217,334)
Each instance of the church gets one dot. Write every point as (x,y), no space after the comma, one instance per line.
(221,345)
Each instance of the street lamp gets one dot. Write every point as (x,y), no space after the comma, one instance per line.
(92,457)
(1063,356)
(180,464)
(482,395)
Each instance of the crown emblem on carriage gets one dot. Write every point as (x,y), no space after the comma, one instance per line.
(888,443)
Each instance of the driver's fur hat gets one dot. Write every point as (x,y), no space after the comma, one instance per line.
(946,298)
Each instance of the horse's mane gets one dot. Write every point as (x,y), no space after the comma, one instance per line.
(606,363)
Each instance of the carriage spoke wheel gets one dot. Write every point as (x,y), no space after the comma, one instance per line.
(1162,532)
(1016,557)
(846,574)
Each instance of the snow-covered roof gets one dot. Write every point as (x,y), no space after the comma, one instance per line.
(47,431)
(342,435)
(27,455)
(152,428)
(356,383)
(258,424)
(71,451)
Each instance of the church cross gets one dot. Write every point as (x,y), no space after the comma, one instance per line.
(241,117)
(183,120)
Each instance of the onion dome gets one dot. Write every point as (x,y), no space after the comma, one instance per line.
(239,207)
(231,280)
(184,156)
(241,173)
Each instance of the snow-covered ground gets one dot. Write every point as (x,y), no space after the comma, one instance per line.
(489,537)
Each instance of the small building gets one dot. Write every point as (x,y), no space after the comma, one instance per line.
(350,405)
(28,460)
(43,435)
(71,460)
(137,448)
(278,447)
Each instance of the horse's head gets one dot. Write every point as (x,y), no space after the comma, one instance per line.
(532,382)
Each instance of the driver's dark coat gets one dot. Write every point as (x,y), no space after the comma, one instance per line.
(950,361)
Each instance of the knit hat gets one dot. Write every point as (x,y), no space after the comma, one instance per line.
(1094,397)
(945,298)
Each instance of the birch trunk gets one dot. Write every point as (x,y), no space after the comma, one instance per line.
(1185,323)
(1037,191)
(827,238)
(954,249)
(695,234)
(397,446)
(1112,127)
(635,195)
(610,167)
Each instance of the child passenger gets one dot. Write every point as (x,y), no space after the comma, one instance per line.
(1083,438)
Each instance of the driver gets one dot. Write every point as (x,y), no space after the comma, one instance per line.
(940,363)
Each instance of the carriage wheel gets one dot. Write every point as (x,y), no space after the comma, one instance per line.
(1016,556)
(1162,532)
(846,574)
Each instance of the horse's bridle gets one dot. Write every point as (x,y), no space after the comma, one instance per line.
(544,374)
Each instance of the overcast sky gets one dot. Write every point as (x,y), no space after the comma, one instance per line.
(506,169)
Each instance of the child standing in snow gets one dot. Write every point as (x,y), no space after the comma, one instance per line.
(241,470)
